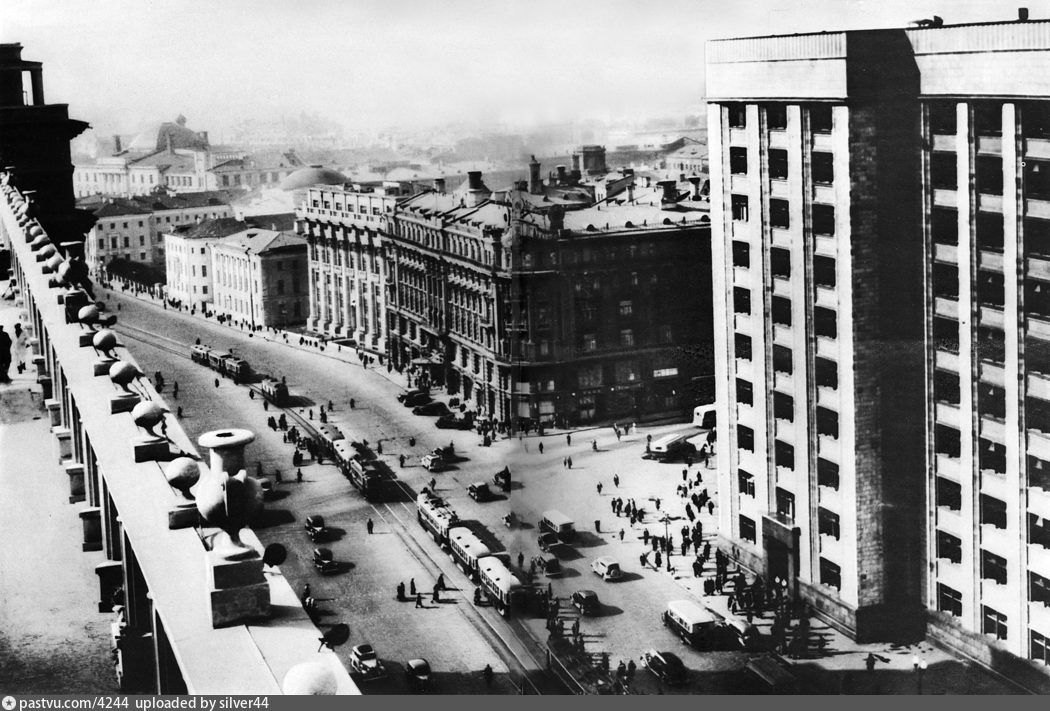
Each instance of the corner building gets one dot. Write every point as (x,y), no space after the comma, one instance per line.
(882,265)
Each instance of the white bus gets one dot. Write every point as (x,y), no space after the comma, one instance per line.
(501,586)
(467,550)
(705,417)
(435,516)
(672,446)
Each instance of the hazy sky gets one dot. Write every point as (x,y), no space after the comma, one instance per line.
(122,63)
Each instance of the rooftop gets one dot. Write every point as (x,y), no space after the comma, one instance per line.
(210,229)
(260,241)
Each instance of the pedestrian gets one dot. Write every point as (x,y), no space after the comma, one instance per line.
(645,536)
(599,487)
(216,382)
(594,445)
(657,504)
(179,413)
(648,439)
(616,480)
(521,560)
(711,508)
(642,559)
(419,599)
(251,394)
(401,461)
(685,474)
(621,534)
(436,595)
(175,389)
(440,584)
(370,526)
(568,462)
(568,440)
(541,447)
(565,462)
(869,662)
(299,476)
(488,674)
(597,526)
(657,559)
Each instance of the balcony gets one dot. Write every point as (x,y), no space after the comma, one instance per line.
(944,198)
(990,145)
(947,361)
(1039,559)
(1039,445)
(946,307)
(1037,208)
(947,466)
(989,203)
(992,261)
(783,381)
(827,297)
(993,429)
(1038,268)
(745,369)
(828,397)
(1038,327)
(1039,385)
(991,316)
(1039,502)
(945,253)
(782,334)
(827,347)
(1037,148)
(826,245)
(947,413)
(829,447)
(994,484)
(943,142)
(992,373)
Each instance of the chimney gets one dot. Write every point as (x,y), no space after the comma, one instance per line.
(203,135)
(474,180)
(630,192)
(535,184)
(670,195)
(168,136)
(439,185)
(575,161)
(561,174)
(695,180)
(116,142)
(522,185)
(476,192)
(1022,14)
(575,176)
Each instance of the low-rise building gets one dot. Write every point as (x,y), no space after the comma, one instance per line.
(188,263)
(260,277)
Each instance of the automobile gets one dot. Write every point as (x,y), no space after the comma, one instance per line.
(431,409)
(666,667)
(416,399)
(586,601)
(324,561)
(417,674)
(364,661)
(409,393)
(451,422)
(547,541)
(480,491)
(502,478)
(315,527)
(547,565)
(433,462)
(607,568)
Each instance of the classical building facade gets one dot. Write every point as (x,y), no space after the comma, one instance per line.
(188,263)
(260,277)
(879,207)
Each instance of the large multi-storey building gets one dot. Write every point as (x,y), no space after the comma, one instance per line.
(259,277)
(531,312)
(880,209)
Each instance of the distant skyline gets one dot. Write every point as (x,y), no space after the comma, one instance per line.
(369,64)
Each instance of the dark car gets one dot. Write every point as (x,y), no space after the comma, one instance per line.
(405,395)
(416,399)
(480,491)
(315,527)
(547,541)
(451,422)
(547,565)
(666,667)
(417,674)
(586,601)
(324,561)
(431,409)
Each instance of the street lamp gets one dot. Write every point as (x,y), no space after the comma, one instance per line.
(666,521)
(919,667)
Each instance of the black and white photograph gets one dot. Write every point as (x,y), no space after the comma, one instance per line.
(523,347)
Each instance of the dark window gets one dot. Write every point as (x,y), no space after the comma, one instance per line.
(777,116)
(993,567)
(1038,589)
(827,422)
(747,529)
(830,574)
(949,493)
(1038,531)
(784,455)
(823,168)
(989,230)
(778,164)
(779,213)
(1038,473)
(825,322)
(741,300)
(988,119)
(745,438)
(1035,119)
(824,270)
(947,442)
(988,175)
(943,119)
(783,407)
(782,359)
(737,160)
(827,473)
(944,225)
(1039,647)
(990,288)
(820,120)
(942,171)
(1037,179)
(739,205)
(781,308)
(826,373)
(993,511)
(827,522)
(780,258)
(785,502)
(993,622)
(737,115)
(945,280)
(745,482)
(991,344)
(991,400)
(949,547)
(823,219)
(741,254)
(949,600)
(742,346)
(946,387)
(1036,236)
(744,392)
(1037,297)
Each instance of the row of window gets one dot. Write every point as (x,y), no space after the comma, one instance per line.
(820,116)
(822,165)
(987,118)
(823,216)
(993,622)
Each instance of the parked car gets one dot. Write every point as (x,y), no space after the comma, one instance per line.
(416,399)
(451,422)
(586,601)
(364,661)
(433,462)
(480,492)
(547,565)
(607,568)
(324,561)
(431,409)
(547,541)
(315,527)
(412,393)
(417,674)
(666,667)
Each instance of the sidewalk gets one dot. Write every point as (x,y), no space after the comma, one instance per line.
(53,640)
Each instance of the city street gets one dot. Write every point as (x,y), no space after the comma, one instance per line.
(631,620)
